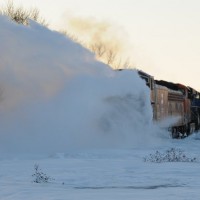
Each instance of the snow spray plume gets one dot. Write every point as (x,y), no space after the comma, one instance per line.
(56,96)
(169,122)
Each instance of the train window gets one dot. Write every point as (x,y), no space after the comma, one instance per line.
(183,91)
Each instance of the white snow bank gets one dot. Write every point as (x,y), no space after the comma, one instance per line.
(55,95)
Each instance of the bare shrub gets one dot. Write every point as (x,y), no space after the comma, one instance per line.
(39,176)
(103,51)
(21,15)
(171,155)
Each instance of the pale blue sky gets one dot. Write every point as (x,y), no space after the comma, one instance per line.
(165,34)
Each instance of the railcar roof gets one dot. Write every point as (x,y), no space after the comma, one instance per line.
(170,85)
(144,73)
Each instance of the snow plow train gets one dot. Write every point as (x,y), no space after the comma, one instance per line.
(170,100)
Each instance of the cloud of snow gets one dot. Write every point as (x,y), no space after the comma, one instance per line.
(54,95)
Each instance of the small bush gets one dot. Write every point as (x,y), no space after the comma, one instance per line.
(171,155)
(39,176)
(21,15)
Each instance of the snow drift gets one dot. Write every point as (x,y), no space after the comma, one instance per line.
(55,95)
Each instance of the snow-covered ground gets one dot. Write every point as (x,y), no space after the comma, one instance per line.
(103,174)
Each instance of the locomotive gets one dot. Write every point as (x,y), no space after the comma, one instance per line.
(174,100)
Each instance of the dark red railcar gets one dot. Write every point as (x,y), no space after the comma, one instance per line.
(174,101)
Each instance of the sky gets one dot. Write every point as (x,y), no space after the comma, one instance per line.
(161,36)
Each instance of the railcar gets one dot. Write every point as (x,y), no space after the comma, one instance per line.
(170,100)
(194,96)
